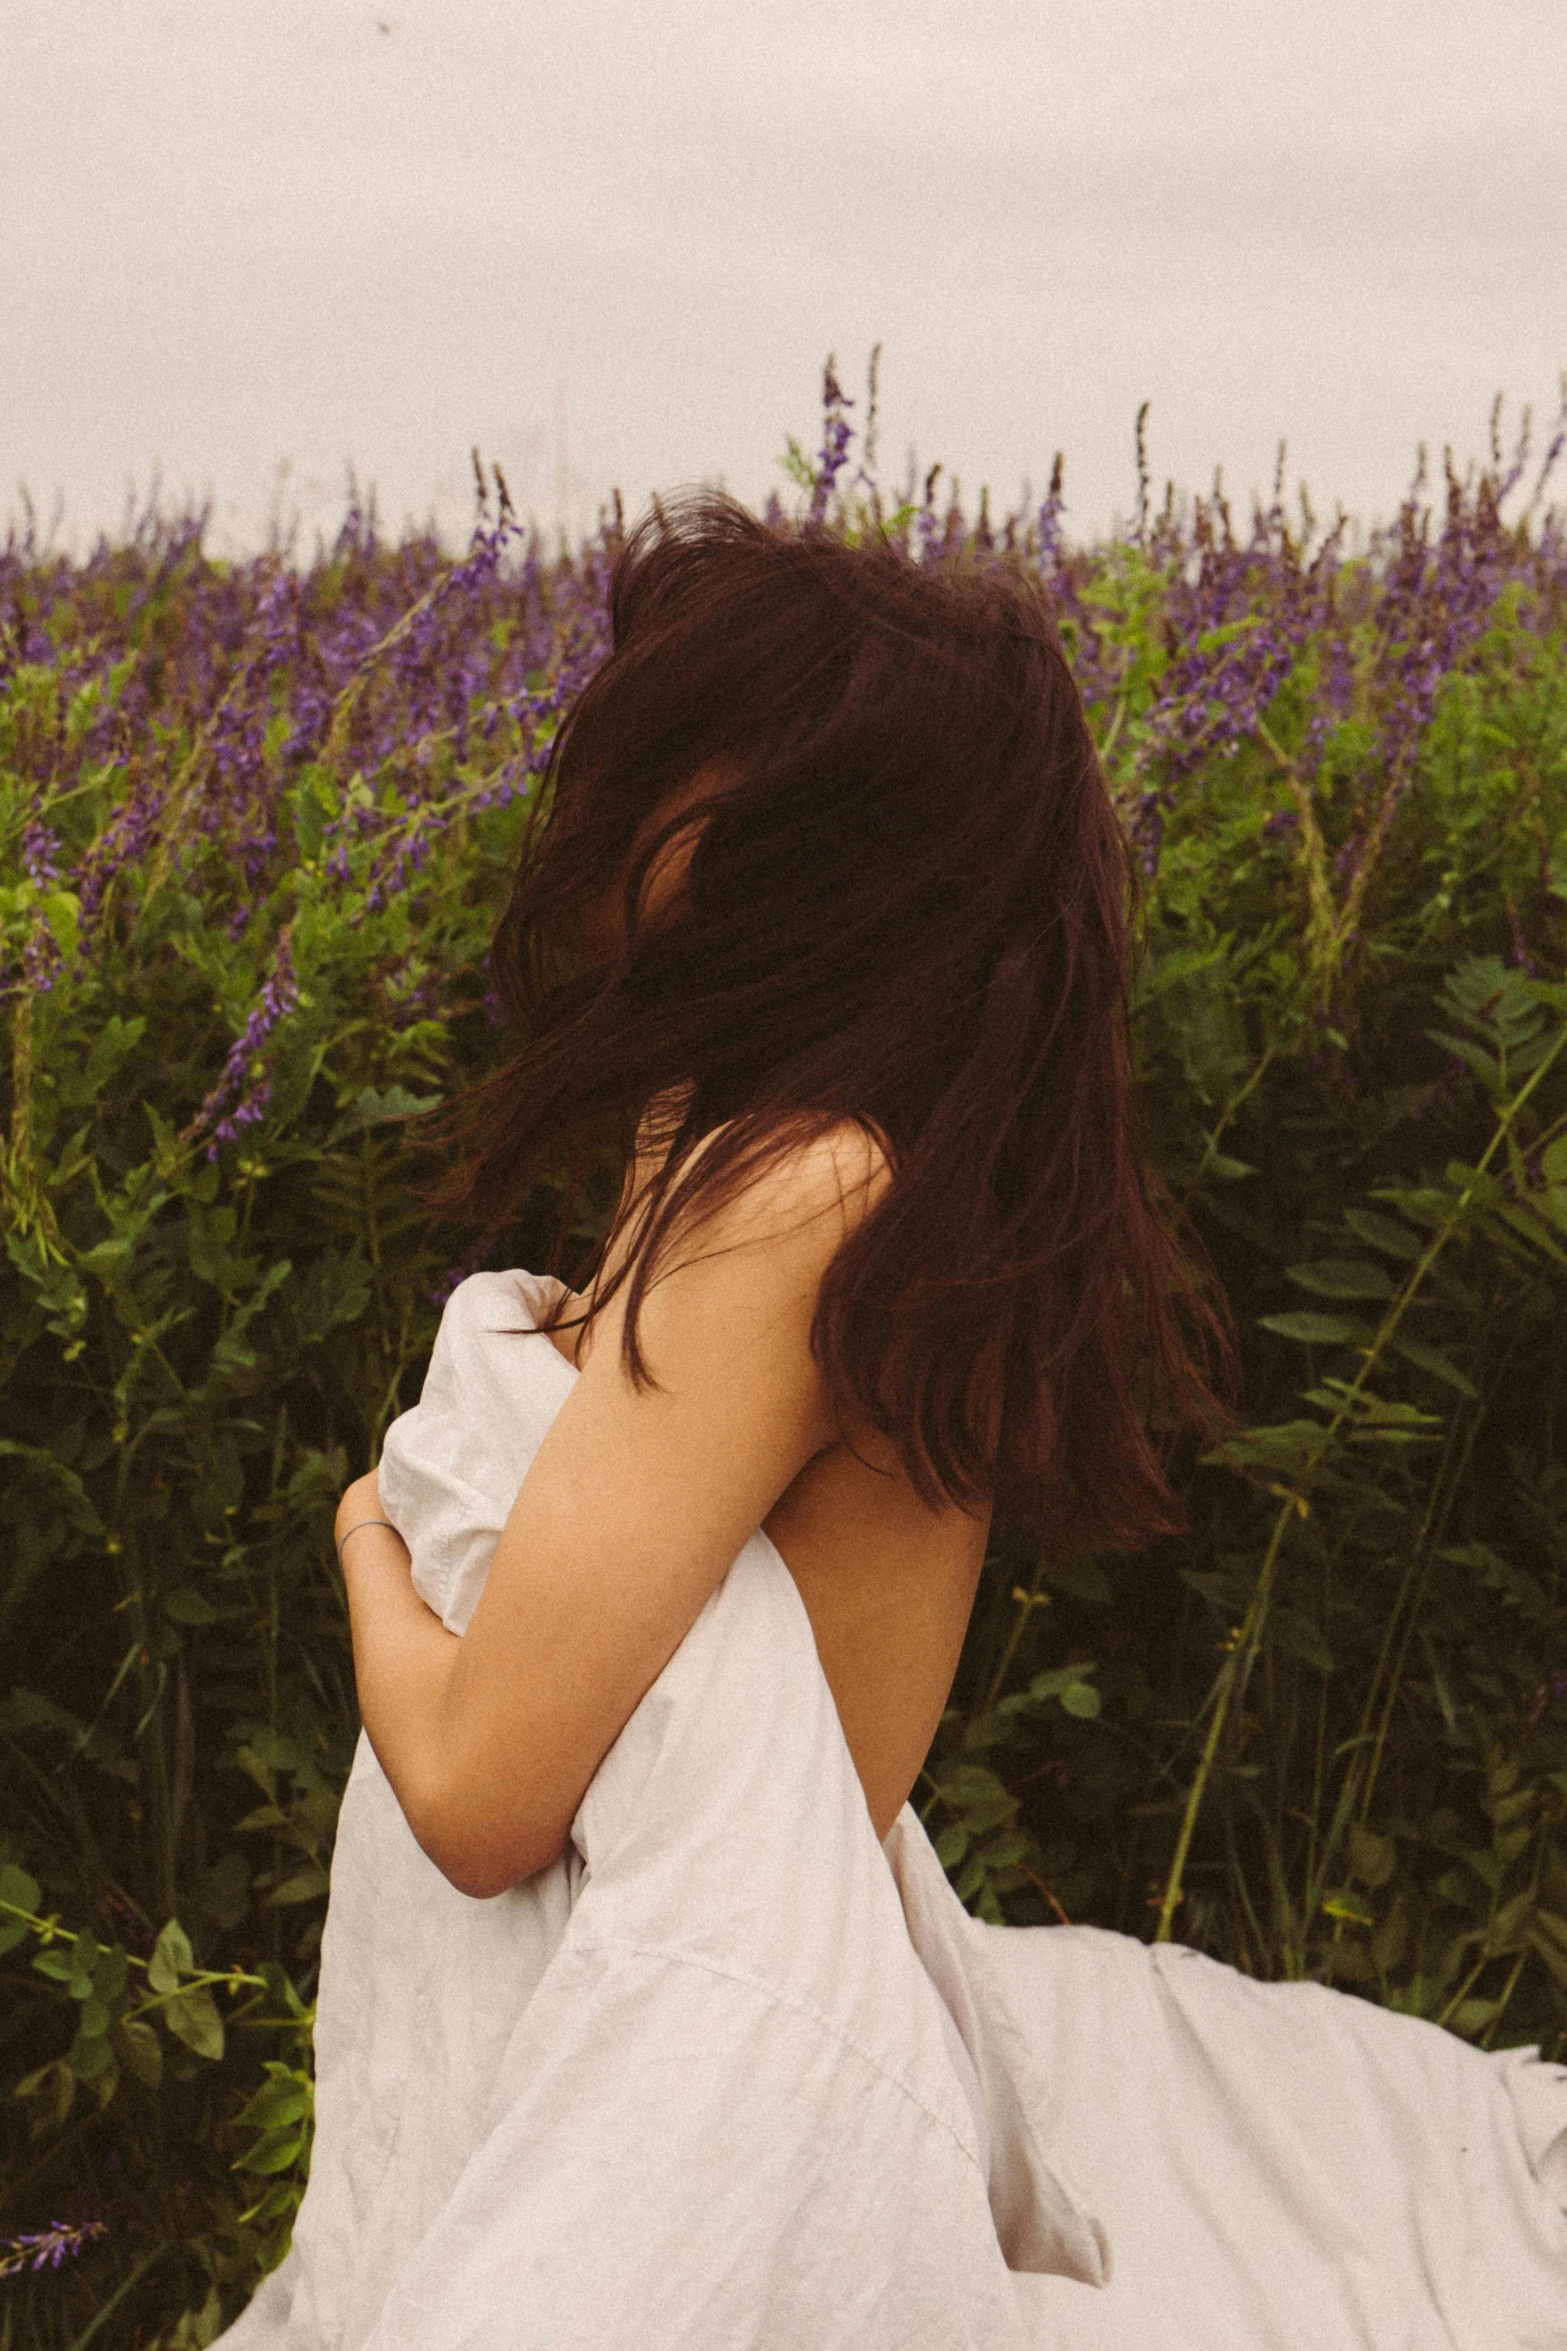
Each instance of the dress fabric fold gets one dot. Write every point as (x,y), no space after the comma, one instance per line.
(735,2076)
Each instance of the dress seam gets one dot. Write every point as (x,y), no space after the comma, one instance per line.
(781,1999)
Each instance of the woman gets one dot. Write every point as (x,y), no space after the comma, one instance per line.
(834,834)
(646,2015)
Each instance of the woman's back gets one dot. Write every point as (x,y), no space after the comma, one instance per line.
(888,1583)
(888,1586)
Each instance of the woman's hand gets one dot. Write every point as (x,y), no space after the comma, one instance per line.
(403,1654)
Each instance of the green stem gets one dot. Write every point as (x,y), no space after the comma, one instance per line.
(54,1930)
(107,2309)
(1410,1601)
(1508,1990)
(1026,1603)
(1227,1115)
(1465,1988)
(1223,1690)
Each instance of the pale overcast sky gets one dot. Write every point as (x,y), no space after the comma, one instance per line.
(612,241)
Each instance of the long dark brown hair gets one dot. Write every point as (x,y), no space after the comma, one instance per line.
(906,905)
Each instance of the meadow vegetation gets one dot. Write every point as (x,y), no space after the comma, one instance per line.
(255,821)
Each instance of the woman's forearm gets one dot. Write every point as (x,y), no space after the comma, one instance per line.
(403,1660)
(485,1829)
(405,1668)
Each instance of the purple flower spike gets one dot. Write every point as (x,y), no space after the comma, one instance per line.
(46,2248)
(837,433)
(242,1093)
(40,851)
(1051,516)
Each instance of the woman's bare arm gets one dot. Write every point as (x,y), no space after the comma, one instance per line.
(629,1517)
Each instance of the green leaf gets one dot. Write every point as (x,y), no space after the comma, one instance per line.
(59,1964)
(1294,1633)
(107,1260)
(110,1971)
(1474,1057)
(1288,1445)
(193,2018)
(1342,1277)
(1472,2016)
(1081,1699)
(1006,1848)
(263,1816)
(1500,1576)
(977,1796)
(1553,1927)
(1425,1357)
(993,1728)
(1525,1219)
(1509,1927)
(1392,1934)
(186,1605)
(1372,1859)
(1547,1944)
(334,1288)
(1371,1410)
(54,2081)
(274,2152)
(1052,1683)
(283,2097)
(1316,1330)
(18,1891)
(171,1958)
(1382,1232)
(62,911)
(372,1105)
(314,801)
(198,2328)
(113,1045)
(141,2050)
(70,1497)
(305,1885)
(210,1246)
(1083,1578)
(90,2057)
(280,2202)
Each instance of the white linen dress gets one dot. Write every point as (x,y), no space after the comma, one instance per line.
(734,2076)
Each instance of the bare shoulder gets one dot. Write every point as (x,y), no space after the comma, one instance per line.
(803,1200)
(727,1314)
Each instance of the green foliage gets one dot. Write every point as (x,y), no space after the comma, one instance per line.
(254,828)
(1332,1741)
(217,1291)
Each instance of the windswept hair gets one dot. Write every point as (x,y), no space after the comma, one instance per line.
(907,906)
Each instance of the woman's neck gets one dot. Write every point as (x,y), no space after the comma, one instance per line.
(656,1129)
(655,1135)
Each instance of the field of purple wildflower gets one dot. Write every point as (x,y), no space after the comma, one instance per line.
(255,820)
